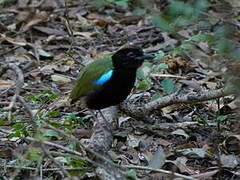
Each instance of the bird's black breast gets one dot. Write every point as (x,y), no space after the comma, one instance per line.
(114,91)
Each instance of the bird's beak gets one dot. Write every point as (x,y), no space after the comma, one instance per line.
(148,56)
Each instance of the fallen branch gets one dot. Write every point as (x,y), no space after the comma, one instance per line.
(185,98)
(160,171)
(45,169)
(147,109)
(19,82)
(47,153)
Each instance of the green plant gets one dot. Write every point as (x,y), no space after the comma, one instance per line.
(103,3)
(43,96)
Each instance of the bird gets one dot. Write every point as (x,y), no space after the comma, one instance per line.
(108,81)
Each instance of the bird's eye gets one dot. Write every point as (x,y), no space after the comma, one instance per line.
(131,54)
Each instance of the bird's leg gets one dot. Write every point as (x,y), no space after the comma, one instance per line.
(105,122)
(108,125)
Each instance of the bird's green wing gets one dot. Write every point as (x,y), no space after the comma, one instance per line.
(84,84)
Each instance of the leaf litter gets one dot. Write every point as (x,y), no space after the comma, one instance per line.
(184,139)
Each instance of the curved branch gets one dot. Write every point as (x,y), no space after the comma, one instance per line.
(20,78)
(144,112)
(19,82)
(185,98)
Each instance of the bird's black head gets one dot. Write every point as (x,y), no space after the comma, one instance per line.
(129,57)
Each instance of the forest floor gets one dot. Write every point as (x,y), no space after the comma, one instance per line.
(43,48)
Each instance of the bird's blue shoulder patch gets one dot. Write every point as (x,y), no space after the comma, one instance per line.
(104,78)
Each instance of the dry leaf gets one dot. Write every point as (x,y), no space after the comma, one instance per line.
(60,79)
(229,161)
(12,41)
(158,159)
(180,132)
(132,141)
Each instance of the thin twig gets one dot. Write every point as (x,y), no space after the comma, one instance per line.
(72,138)
(26,106)
(68,26)
(10,50)
(46,152)
(19,84)
(160,171)
(45,169)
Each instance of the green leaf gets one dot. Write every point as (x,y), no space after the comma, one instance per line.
(142,84)
(72,146)
(123,3)
(199,37)
(202,5)
(2,122)
(163,66)
(16,134)
(222,31)
(139,11)
(54,113)
(78,163)
(224,46)
(55,124)
(148,64)
(177,51)
(18,126)
(34,154)
(140,74)
(159,55)
(168,86)
(143,81)
(176,8)
(131,175)
(33,97)
(222,118)
(40,116)
(48,95)
(236,53)
(50,133)
(73,118)
(162,23)
(181,21)
(200,119)
(187,46)
(156,96)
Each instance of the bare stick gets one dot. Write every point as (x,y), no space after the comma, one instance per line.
(144,112)
(45,169)
(68,26)
(160,171)
(46,152)
(185,98)
(19,82)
